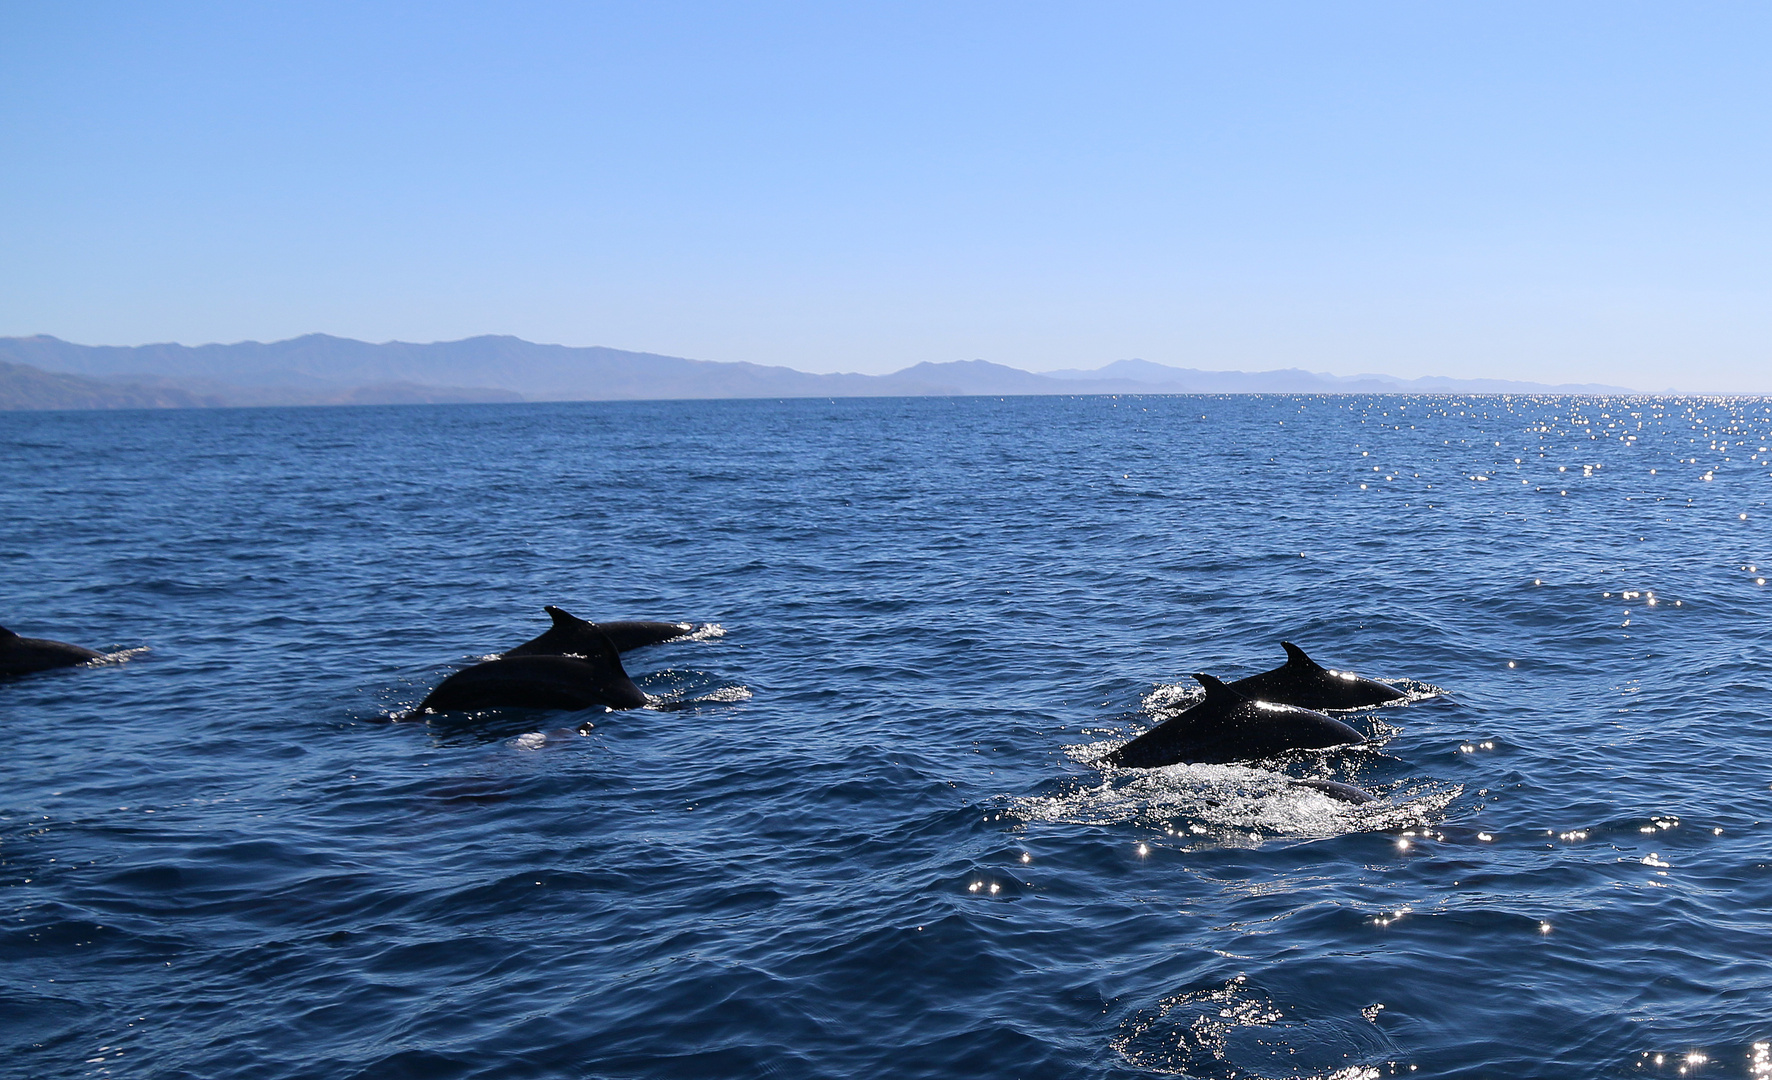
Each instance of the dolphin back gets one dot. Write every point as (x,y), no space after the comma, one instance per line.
(23,655)
(537,682)
(1335,789)
(627,636)
(1227,727)
(1305,683)
(573,635)
(569,634)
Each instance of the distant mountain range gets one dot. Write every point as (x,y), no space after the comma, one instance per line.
(1297,381)
(47,373)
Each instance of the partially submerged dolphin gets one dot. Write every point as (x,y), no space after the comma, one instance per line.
(1305,683)
(1228,726)
(1335,789)
(23,655)
(569,634)
(595,677)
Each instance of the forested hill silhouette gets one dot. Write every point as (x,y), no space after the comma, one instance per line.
(321,369)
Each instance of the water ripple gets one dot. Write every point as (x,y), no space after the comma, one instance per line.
(865,829)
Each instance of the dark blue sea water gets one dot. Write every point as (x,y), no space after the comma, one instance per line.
(864,834)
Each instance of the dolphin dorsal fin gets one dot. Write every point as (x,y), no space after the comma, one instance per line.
(1295,655)
(599,650)
(563,619)
(1215,687)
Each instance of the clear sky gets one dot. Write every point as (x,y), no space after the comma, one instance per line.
(1549,191)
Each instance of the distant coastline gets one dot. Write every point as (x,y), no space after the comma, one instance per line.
(43,372)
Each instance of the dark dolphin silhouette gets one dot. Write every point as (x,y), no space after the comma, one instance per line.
(1335,789)
(24,655)
(1305,683)
(595,677)
(1227,726)
(569,634)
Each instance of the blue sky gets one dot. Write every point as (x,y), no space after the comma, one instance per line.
(1555,192)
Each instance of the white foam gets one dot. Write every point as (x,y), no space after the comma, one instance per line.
(117,656)
(533,740)
(1414,689)
(1169,697)
(1217,805)
(676,699)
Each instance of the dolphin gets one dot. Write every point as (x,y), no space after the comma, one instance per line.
(570,633)
(1230,727)
(595,677)
(1305,683)
(1335,789)
(23,655)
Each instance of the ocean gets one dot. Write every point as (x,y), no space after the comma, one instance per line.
(866,831)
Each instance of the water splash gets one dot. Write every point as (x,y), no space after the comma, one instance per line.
(1228,805)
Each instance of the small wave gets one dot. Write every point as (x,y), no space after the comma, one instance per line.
(1237,1030)
(682,688)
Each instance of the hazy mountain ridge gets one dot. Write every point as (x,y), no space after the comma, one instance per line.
(47,373)
(1299,381)
(507,364)
(25,387)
